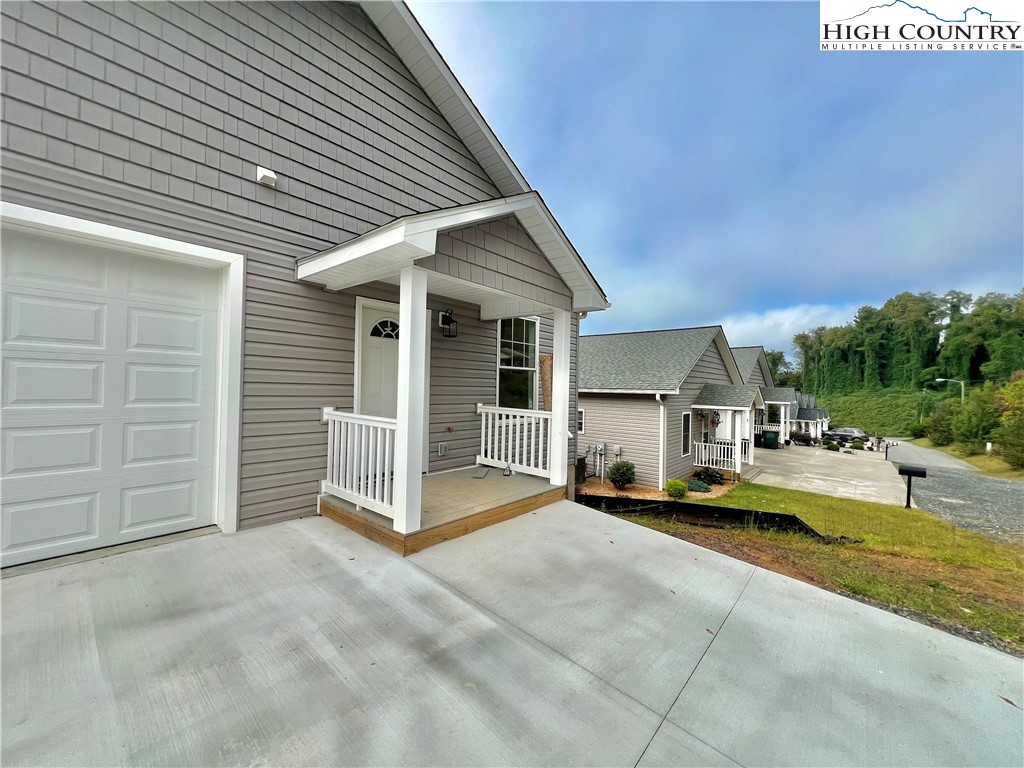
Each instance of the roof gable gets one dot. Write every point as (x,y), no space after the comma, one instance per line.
(646,361)
(748,359)
(406,37)
(729,396)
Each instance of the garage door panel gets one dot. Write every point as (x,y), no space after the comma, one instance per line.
(43,449)
(109,397)
(163,331)
(32,382)
(54,265)
(41,320)
(57,524)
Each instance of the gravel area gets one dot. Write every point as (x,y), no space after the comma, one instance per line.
(989,505)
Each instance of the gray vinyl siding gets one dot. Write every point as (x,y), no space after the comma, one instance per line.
(709,369)
(630,421)
(500,254)
(154,117)
(757,378)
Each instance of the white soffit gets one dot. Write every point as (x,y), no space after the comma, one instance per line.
(379,254)
(405,35)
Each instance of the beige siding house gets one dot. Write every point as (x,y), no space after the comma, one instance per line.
(257,255)
(668,401)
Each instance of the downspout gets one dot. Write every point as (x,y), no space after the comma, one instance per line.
(661,441)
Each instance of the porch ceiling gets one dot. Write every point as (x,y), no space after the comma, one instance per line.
(384,252)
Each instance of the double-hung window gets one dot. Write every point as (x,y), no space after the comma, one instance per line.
(517,363)
(581,421)
(687,433)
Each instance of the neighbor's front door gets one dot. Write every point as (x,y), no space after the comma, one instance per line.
(378,382)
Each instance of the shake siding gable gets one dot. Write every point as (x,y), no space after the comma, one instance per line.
(709,369)
(630,422)
(154,116)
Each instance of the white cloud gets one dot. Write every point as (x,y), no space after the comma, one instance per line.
(775,328)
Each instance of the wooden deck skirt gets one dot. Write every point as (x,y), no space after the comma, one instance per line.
(408,544)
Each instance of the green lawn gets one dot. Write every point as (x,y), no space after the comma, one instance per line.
(990,466)
(909,558)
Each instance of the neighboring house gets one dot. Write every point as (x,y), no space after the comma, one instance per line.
(810,419)
(226,223)
(780,409)
(753,366)
(668,401)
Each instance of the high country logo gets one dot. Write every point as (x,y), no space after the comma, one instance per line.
(944,25)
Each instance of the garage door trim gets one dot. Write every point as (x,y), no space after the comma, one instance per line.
(229,330)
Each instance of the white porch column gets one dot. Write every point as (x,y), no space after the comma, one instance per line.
(734,425)
(784,427)
(559,450)
(748,430)
(412,332)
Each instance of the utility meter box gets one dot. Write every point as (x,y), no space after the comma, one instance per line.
(599,449)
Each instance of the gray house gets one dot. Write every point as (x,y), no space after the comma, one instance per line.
(668,401)
(257,256)
(753,366)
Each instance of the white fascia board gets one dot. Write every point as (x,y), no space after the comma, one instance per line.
(758,400)
(695,406)
(392,239)
(628,391)
(58,224)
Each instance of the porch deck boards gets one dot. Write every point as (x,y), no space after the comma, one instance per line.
(453,504)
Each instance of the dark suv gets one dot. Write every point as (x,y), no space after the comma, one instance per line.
(844,435)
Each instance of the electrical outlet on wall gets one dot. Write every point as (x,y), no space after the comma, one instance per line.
(442,449)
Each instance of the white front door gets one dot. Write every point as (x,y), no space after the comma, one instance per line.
(378,374)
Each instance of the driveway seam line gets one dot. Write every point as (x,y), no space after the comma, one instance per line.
(693,671)
(498,617)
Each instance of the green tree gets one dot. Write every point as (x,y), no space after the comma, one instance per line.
(974,423)
(1010,434)
(940,423)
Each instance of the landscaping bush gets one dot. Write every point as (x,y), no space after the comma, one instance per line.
(857,445)
(917,429)
(696,486)
(831,447)
(676,489)
(621,474)
(709,476)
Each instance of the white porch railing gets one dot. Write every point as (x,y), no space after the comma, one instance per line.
(745,451)
(715,455)
(760,428)
(361,460)
(515,437)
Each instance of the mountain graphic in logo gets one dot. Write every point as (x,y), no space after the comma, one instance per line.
(903,6)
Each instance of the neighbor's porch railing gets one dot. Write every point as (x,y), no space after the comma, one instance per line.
(745,451)
(715,455)
(516,438)
(760,428)
(361,460)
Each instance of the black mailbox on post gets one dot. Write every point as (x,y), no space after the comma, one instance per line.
(910,473)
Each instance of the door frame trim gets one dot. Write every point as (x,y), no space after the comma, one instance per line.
(363,302)
(229,331)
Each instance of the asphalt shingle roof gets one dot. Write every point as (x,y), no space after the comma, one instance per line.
(726,396)
(746,360)
(649,361)
(778,394)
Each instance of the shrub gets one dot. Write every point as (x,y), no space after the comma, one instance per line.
(917,429)
(696,486)
(709,476)
(857,445)
(974,422)
(940,423)
(1010,434)
(676,489)
(831,447)
(621,474)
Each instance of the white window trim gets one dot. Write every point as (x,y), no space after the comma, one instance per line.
(537,405)
(581,421)
(229,331)
(685,447)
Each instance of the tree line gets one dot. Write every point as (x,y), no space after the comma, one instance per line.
(913,339)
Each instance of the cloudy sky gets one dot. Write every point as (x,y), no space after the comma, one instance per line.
(712,166)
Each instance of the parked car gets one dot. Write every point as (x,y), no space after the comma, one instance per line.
(844,435)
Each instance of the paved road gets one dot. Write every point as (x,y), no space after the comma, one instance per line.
(956,491)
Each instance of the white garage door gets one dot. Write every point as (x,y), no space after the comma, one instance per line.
(108,396)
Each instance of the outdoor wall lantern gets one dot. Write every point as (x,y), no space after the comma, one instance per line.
(449,325)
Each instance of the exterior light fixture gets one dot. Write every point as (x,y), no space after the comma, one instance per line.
(957,381)
(448,323)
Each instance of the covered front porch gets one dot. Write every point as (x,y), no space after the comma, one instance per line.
(723,416)
(425,398)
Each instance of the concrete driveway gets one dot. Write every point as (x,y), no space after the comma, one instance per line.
(563,637)
(864,475)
